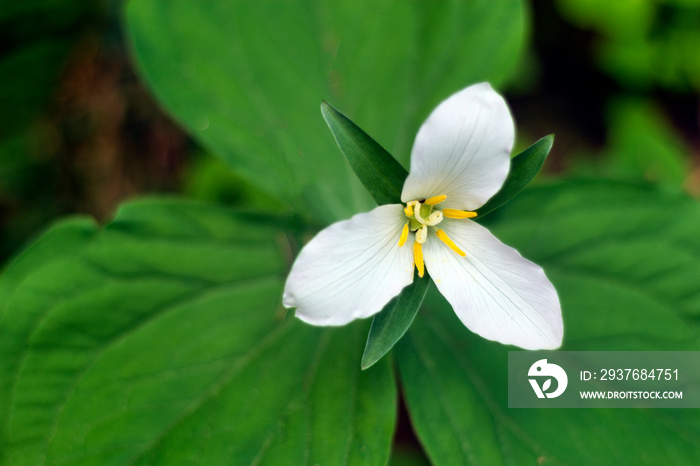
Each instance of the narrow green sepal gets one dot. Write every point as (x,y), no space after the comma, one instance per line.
(523,168)
(380,173)
(392,322)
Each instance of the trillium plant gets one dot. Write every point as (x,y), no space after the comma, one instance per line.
(459,161)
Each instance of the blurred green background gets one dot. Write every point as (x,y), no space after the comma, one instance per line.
(217,102)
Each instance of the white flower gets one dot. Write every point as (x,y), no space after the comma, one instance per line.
(460,159)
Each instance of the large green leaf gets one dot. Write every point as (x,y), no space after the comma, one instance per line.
(246,79)
(625,260)
(160,339)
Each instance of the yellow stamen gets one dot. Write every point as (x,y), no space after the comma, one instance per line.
(446,239)
(418,258)
(408,210)
(435,200)
(404,234)
(454,213)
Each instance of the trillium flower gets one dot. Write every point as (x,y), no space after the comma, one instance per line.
(460,158)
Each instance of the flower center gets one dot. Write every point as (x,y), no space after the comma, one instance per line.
(422,214)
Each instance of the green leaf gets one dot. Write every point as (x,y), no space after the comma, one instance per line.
(625,260)
(388,66)
(160,339)
(380,173)
(392,322)
(523,168)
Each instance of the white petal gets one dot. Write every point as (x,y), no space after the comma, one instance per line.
(351,269)
(462,150)
(494,291)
